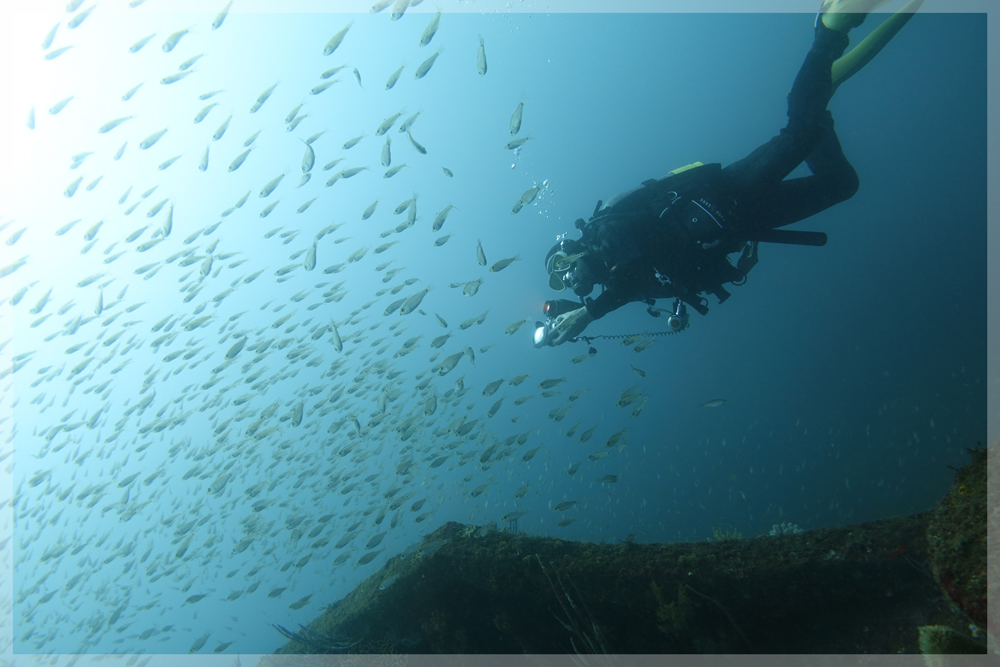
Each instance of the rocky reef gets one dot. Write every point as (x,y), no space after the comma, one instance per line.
(864,588)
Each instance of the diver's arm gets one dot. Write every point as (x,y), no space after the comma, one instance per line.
(613,298)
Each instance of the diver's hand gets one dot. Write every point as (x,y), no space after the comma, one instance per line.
(570,325)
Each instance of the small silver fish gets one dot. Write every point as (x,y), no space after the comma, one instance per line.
(310,262)
(270,207)
(516,143)
(187,64)
(399,8)
(440,218)
(503,263)
(222,129)
(526,198)
(353,171)
(425,66)
(515,119)
(429,31)
(235,349)
(293,113)
(387,124)
(262,98)
(335,41)
(492,387)
(393,78)
(308,160)
(71,188)
(217,23)
(50,37)
(413,302)
(131,91)
(643,345)
(152,139)
(172,40)
(338,345)
(166,163)
(204,112)
(393,171)
(472,287)
(481,57)
(405,126)
(326,75)
(80,18)
(387,152)
(112,124)
(420,149)
(565,262)
(351,143)
(141,43)
(271,185)
(514,326)
(52,55)
(235,164)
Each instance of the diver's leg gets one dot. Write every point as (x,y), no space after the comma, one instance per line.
(757,180)
(755,176)
(833,180)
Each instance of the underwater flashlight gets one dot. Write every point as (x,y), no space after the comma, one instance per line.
(543,334)
(556,307)
(551,309)
(678,321)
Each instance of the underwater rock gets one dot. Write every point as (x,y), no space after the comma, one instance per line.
(956,539)
(472,589)
(942,640)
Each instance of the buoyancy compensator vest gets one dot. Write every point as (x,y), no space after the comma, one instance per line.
(687,225)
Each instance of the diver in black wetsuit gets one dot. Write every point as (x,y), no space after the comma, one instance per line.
(672,237)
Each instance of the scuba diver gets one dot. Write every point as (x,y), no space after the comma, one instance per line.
(672,237)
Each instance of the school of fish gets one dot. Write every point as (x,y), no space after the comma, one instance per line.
(295,401)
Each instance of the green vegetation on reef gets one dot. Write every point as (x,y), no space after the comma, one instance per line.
(942,640)
(722,535)
(672,616)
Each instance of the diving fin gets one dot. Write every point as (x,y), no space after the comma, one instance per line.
(851,62)
(842,15)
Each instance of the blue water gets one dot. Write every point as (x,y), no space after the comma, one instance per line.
(853,374)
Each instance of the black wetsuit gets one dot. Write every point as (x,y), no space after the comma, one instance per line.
(671,237)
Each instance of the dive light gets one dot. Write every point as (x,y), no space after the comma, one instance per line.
(551,309)
(543,333)
(678,321)
(556,307)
